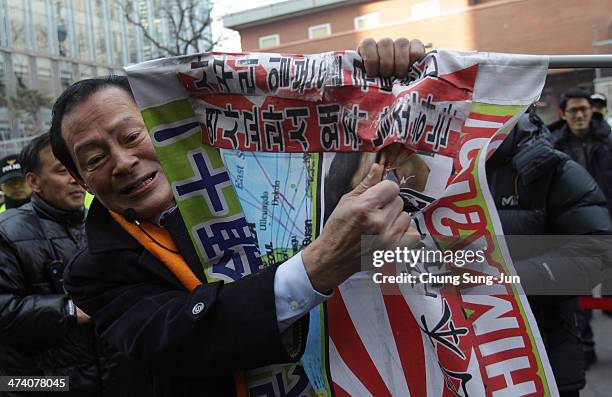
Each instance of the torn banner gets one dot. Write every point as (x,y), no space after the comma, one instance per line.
(260,147)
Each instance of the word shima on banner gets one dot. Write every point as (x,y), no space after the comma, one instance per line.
(259,148)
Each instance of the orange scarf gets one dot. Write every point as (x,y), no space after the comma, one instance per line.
(174,262)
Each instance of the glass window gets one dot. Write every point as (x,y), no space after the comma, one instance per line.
(5,130)
(116,18)
(269,41)
(44,74)
(62,28)
(15,13)
(41,30)
(45,117)
(21,68)
(314,32)
(2,80)
(87,71)
(424,9)
(66,76)
(99,35)
(132,44)
(81,35)
(367,21)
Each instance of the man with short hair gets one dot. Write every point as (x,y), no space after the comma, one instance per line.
(12,182)
(585,137)
(197,340)
(42,332)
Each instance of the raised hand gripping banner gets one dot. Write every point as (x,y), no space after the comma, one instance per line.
(259,148)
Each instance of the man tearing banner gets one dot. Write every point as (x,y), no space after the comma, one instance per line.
(264,154)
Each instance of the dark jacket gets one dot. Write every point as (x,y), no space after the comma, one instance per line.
(596,147)
(540,191)
(143,310)
(38,334)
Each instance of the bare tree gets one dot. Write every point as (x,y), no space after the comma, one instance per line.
(30,101)
(189,26)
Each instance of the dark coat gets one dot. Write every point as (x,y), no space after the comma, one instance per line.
(38,335)
(144,311)
(540,191)
(597,147)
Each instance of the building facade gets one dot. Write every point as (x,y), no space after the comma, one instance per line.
(46,45)
(511,26)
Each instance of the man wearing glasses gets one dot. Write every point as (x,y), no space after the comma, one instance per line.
(586,139)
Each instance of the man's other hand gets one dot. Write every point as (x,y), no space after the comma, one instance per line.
(374,207)
(387,58)
(82,317)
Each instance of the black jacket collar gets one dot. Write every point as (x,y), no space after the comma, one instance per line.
(73,218)
(599,130)
(104,234)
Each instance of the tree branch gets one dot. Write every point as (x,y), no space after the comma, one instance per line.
(148,35)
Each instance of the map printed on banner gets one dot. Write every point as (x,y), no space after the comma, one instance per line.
(259,148)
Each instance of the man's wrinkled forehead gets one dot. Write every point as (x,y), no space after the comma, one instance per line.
(109,109)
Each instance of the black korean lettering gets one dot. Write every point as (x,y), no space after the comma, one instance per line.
(222,75)
(360,78)
(251,127)
(230,113)
(304,74)
(383,129)
(350,125)
(247,80)
(279,76)
(273,129)
(328,123)
(298,118)
(438,136)
(212,118)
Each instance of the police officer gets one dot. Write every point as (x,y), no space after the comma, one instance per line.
(13,183)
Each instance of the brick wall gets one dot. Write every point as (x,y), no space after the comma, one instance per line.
(522,26)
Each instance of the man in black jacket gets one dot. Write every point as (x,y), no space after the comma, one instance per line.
(584,135)
(540,191)
(197,340)
(42,332)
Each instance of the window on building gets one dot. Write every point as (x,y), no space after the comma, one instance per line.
(45,76)
(87,71)
(314,32)
(99,31)
(367,21)
(424,9)
(17,23)
(269,41)
(84,51)
(41,30)
(3,92)
(66,76)
(21,68)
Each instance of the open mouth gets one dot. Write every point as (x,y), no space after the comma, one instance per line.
(140,184)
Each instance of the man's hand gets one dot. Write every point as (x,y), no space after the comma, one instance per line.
(81,316)
(372,208)
(390,58)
